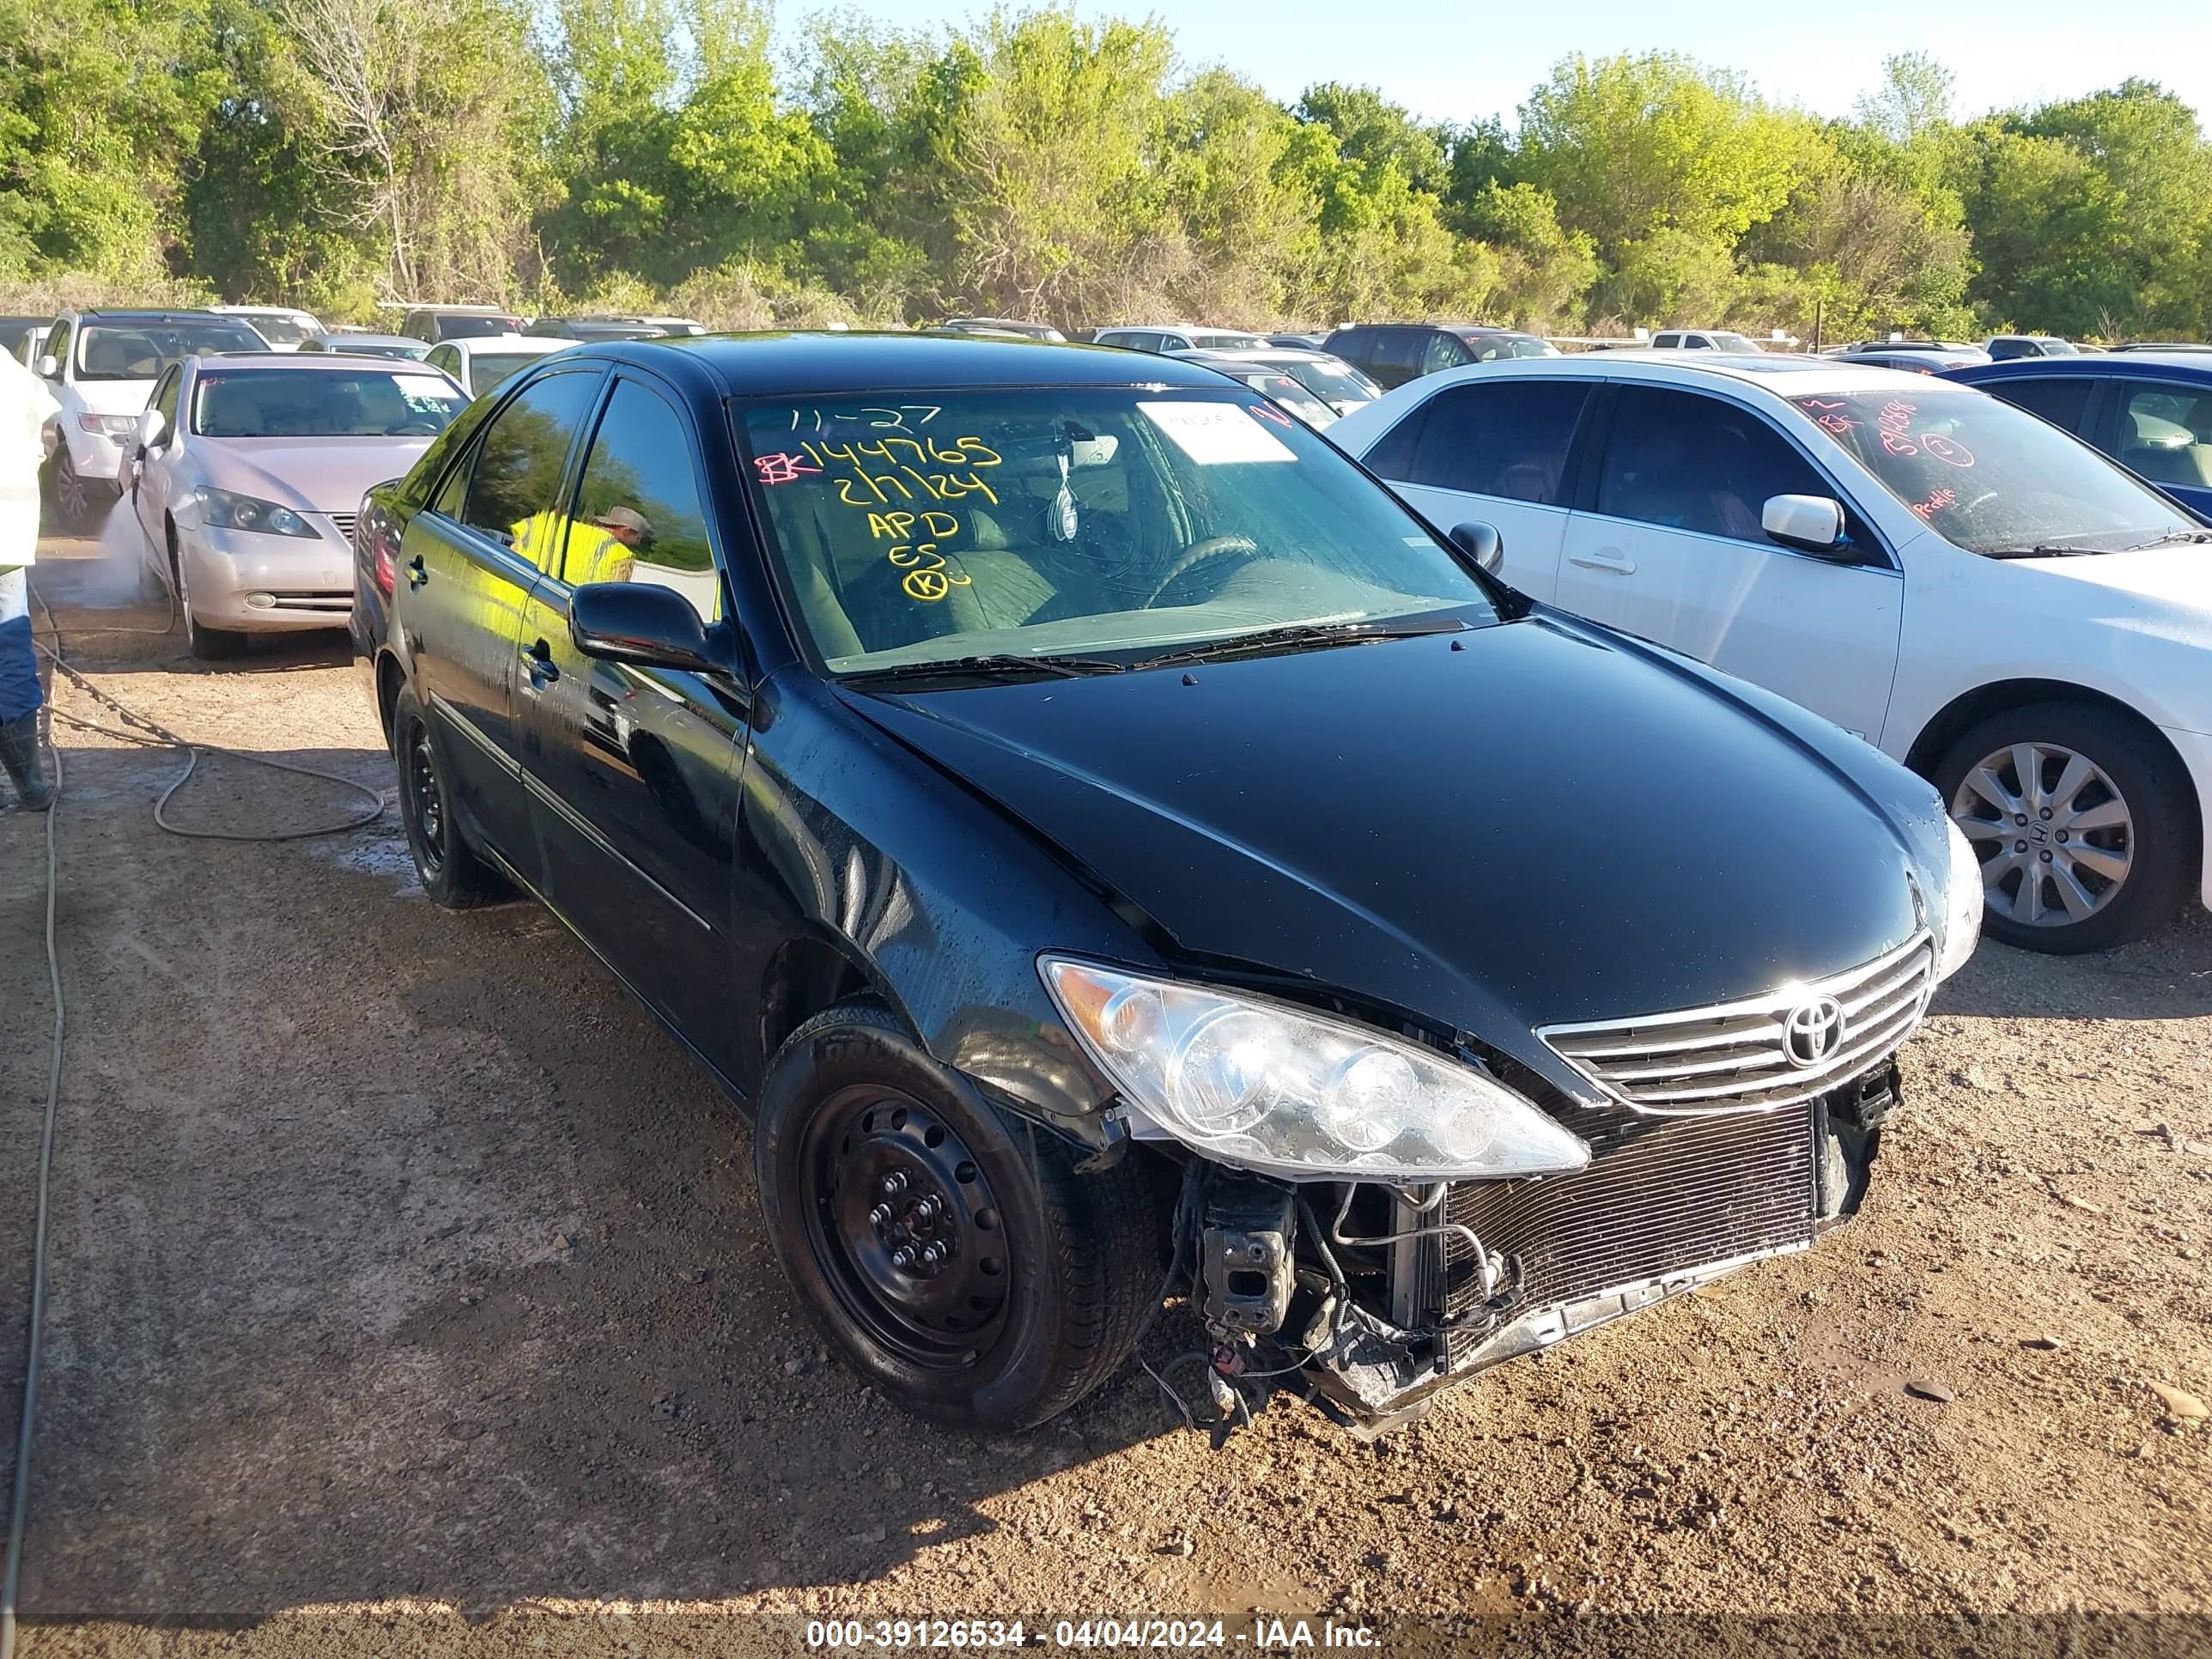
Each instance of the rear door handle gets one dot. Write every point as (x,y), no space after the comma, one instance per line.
(417,576)
(1604,559)
(537,658)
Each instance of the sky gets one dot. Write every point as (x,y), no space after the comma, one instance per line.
(1458,60)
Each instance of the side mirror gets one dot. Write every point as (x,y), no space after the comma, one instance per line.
(1481,543)
(1814,523)
(49,366)
(153,429)
(639,623)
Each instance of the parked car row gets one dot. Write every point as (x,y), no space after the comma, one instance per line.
(1111,847)
(1984,596)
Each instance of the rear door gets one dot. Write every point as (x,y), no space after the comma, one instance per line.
(1498,451)
(632,772)
(2064,400)
(1670,548)
(467,566)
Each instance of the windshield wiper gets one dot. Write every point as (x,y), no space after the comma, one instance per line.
(1003,665)
(2040,551)
(2173,539)
(1298,633)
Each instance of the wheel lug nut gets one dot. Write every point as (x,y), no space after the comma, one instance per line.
(2046,856)
(2061,834)
(932,1255)
(2020,847)
(2046,812)
(880,1215)
(901,1258)
(2021,819)
(894,1184)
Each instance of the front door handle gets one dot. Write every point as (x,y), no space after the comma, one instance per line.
(537,658)
(417,576)
(1604,559)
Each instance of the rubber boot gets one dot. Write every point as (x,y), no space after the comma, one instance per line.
(25,768)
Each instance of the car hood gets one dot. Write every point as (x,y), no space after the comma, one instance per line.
(324,475)
(1548,824)
(113,396)
(2180,575)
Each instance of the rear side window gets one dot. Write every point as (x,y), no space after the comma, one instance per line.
(2166,433)
(1690,462)
(1354,345)
(1658,340)
(1399,348)
(1505,438)
(516,478)
(2061,400)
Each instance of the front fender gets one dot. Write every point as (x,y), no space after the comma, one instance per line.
(935,897)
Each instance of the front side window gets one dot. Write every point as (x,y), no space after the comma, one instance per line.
(1989,477)
(515,480)
(1444,351)
(2061,400)
(447,358)
(1076,522)
(1399,349)
(58,343)
(1669,341)
(638,517)
(139,351)
(353,402)
(465,327)
(165,399)
(2166,433)
(1506,438)
(1694,462)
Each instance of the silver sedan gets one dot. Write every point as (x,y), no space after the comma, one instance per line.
(250,469)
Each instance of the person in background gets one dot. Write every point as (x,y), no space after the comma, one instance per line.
(26,406)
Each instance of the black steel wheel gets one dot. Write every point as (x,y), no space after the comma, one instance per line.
(905,1228)
(947,1247)
(452,872)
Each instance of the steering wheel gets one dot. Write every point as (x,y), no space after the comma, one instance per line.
(1199,553)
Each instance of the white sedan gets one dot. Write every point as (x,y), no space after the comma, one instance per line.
(1974,592)
(481,362)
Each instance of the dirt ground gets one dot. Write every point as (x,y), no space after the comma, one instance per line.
(409,1295)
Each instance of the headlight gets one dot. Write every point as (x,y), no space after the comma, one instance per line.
(1963,903)
(221,509)
(109,426)
(1296,1094)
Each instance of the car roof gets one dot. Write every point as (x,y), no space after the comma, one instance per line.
(2191,365)
(1805,375)
(102,314)
(1262,355)
(768,364)
(378,339)
(466,343)
(303,363)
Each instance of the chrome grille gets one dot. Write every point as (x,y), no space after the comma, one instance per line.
(1734,1054)
(343,523)
(335,604)
(1659,1195)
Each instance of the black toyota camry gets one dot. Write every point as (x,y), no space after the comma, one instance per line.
(1121,859)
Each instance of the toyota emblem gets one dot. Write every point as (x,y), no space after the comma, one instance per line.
(1814,1031)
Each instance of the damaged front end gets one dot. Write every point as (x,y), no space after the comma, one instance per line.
(1380,1297)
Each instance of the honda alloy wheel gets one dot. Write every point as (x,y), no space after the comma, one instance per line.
(2082,820)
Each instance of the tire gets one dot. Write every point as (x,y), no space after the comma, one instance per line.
(80,504)
(2155,851)
(452,872)
(1048,1273)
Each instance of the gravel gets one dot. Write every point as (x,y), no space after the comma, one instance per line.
(409,1296)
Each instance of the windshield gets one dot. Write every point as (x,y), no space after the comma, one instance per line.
(1511,345)
(1274,383)
(279,330)
(1992,478)
(1334,383)
(1737,342)
(1216,340)
(488,369)
(1075,521)
(140,351)
(412,349)
(354,403)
